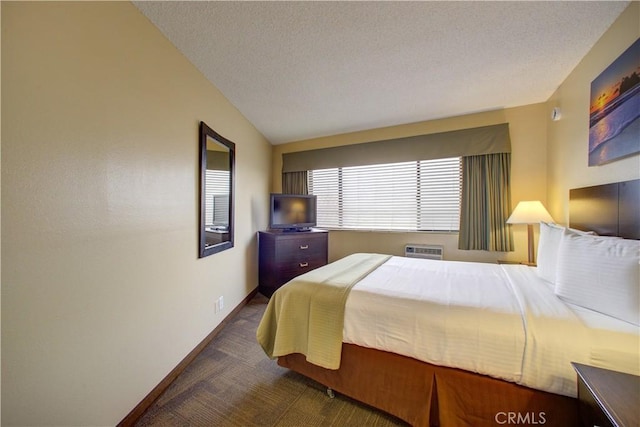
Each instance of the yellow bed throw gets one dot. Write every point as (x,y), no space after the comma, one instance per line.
(306,315)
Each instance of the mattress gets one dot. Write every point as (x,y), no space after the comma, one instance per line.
(497,320)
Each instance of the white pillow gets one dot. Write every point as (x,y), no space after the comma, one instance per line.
(601,274)
(548,245)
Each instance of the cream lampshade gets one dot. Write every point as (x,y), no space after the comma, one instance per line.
(529,212)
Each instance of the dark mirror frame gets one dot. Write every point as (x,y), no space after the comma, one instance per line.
(205,133)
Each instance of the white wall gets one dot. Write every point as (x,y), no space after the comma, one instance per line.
(102,291)
(568,138)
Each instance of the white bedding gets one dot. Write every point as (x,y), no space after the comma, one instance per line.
(497,320)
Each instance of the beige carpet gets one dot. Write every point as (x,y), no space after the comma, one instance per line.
(233,383)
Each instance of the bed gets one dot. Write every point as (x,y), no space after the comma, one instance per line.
(440,343)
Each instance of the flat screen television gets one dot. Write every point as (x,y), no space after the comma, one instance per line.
(292,212)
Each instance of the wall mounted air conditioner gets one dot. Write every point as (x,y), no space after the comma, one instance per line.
(413,250)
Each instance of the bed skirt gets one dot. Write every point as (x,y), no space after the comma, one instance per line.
(428,395)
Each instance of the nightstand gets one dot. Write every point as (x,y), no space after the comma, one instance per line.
(607,398)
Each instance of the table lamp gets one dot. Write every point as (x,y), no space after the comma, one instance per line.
(529,212)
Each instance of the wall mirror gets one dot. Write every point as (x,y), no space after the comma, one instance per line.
(217,164)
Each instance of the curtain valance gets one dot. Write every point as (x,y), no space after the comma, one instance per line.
(466,142)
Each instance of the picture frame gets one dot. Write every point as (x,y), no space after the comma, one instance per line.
(614,110)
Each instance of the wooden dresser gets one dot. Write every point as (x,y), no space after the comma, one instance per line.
(284,255)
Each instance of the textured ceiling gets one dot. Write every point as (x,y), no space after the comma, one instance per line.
(300,70)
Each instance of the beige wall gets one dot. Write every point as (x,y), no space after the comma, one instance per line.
(527,127)
(0,229)
(568,138)
(548,158)
(102,290)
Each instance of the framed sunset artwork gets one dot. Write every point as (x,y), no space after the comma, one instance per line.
(614,114)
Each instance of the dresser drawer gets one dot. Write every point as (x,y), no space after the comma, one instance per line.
(288,271)
(306,249)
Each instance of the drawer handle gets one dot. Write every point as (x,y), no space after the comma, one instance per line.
(304,246)
(304,264)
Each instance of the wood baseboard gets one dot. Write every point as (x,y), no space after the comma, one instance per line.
(141,407)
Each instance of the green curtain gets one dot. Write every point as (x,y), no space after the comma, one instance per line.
(295,183)
(486,203)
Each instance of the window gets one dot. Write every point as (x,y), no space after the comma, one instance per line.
(418,195)
(216,203)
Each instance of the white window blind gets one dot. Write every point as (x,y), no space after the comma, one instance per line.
(216,203)
(418,195)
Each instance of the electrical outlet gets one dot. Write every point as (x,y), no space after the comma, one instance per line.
(219,305)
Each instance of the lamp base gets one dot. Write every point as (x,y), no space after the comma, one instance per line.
(530,241)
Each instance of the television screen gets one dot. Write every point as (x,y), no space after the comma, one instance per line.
(292,211)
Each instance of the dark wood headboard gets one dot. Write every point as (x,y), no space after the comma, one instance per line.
(608,209)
